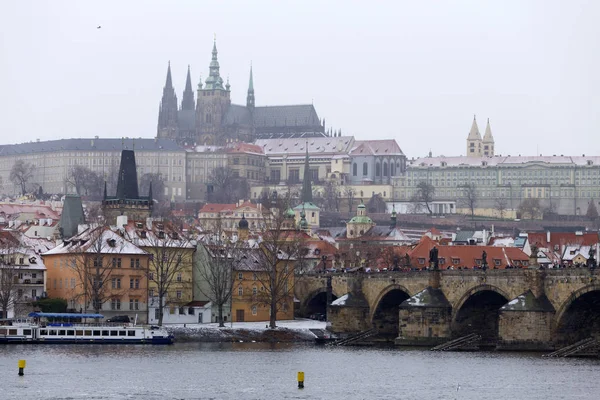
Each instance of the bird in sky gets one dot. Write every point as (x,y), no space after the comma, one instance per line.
(99,26)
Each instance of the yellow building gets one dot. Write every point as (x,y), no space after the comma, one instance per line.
(103,259)
(170,269)
(252,289)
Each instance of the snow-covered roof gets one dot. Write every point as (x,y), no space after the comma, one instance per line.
(464,161)
(96,240)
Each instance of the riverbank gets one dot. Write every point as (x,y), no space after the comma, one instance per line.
(286,331)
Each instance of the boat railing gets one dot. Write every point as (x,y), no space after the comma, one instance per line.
(84,324)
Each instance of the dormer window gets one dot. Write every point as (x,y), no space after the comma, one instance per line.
(161,234)
(112,242)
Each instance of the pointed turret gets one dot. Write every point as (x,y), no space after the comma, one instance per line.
(306,184)
(127,185)
(474,132)
(488,141)
(187,103)
(474,143)
(250,102)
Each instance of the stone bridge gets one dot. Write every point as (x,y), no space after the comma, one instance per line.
(511,309)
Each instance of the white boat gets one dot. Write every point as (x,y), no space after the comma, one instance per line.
(39,330)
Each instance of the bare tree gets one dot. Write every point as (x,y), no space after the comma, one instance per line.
(170,267)
(226,187)
(592,211)
(469,198)
(501,204)
(424,195)
(9,273)
(274,260)
(94,257)
(215,264)
(331,196)
(20,174)
(158,185)
(350,195)
(530,206)
(85,181)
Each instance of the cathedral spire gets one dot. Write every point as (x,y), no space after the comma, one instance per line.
(250,102)
(187,103)
(167,112)
(169,82)
(306,184)
(214,80)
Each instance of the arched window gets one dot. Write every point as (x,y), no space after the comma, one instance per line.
(365,169)
(354,170)
(392,169)
(377,169)
(208,118)
(385,169)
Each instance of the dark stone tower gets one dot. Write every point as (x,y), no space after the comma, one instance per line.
(127,200)
(167,113)
(212,104)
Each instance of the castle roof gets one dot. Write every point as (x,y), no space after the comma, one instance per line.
(376,148)
(91,144)
(488,138)
(474,132)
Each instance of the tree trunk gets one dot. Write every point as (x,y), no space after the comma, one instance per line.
(160,310)
(221,323)
(273,316)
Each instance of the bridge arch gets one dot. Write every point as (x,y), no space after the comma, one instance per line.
(578,317)
(477,311)
(316,302)
(384,314)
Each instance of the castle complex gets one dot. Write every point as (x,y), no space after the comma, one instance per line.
(212,118)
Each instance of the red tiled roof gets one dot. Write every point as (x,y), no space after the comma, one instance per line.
(216,207)
(562,239)
(467,256)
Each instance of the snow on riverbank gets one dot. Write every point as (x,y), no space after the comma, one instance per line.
(286,331)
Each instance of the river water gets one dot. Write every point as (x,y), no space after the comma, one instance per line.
(268,371)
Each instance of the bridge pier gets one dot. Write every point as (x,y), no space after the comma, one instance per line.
(349,313)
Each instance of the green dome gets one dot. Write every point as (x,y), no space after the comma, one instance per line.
(361,219)
(289,213)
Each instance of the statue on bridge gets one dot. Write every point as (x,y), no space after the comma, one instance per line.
(591,261)
(484,263)
(433,258)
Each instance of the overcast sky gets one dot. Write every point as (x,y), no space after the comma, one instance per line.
(415,71)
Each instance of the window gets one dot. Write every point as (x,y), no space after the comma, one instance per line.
(116,262)
(254,310)
(115,304)
(240,291)
(377,169)
(254,276)
(354,169)
(116,283)
(151,275)
(134,304)
(240,275)
(254,291)
(137,262)
(132,263)
(179,277)
(178,294)
(151,293)
(365,168)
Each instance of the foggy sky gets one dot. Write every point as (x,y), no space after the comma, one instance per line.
(410,70)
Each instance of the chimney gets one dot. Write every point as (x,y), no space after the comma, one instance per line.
(149,223)
(548,237)
(121,221)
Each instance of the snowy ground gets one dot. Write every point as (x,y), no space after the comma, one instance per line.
(289,324)
(287,331)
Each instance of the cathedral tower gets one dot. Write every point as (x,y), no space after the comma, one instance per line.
(250,101)
(167,112)
(488,141)
(187,103)
(212,103)
(474,142)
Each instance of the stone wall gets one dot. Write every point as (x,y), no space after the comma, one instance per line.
(525,330)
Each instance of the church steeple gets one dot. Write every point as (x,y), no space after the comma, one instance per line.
(167,112)
(488,141)
(214,80)
(474,145)
(250,103)
(187,103)
(306,184)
